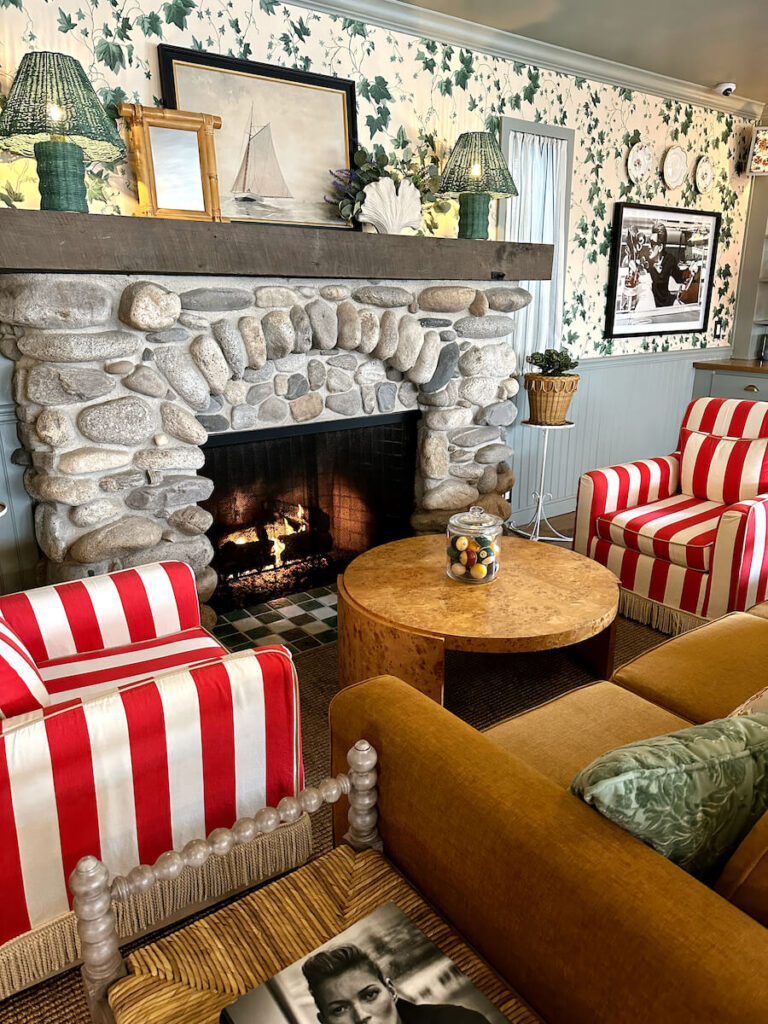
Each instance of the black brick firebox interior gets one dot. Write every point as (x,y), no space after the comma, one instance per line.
(293,506)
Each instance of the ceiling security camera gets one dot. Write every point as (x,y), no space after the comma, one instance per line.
(726,88)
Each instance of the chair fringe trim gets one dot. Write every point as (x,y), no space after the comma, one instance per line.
(54,946)
(659,616)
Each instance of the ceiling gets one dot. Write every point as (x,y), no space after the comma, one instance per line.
(701,41)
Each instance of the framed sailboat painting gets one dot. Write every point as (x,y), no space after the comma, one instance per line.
(282,132)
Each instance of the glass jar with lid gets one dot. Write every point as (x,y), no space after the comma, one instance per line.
(473,546)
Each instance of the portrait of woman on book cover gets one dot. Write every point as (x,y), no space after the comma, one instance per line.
(381,970)
(349,988)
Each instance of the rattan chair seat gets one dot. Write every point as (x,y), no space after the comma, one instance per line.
(189,976)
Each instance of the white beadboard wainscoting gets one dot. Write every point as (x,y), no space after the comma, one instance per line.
(627,407)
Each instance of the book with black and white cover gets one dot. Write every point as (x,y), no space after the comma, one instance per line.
(382,970)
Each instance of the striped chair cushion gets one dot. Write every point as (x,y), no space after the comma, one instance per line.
(21,687)
(85,675)
(104,611)
(727,417)
(680,529)
(722,469)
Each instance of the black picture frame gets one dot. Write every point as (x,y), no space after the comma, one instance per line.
(640,278)
(170,57)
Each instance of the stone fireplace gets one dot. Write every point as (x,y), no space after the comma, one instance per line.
(124,384)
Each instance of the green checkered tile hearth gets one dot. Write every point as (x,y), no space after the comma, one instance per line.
(299,622)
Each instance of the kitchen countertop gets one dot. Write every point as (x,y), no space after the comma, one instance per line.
(734,365)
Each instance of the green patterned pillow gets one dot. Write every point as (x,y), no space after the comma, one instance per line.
(692,795)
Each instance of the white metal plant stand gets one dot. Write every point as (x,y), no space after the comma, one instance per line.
(532,529)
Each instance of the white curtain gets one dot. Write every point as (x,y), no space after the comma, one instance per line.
(539,165)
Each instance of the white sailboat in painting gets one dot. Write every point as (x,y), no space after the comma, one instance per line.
(259,176)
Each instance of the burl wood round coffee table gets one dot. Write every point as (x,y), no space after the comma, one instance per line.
(399,612)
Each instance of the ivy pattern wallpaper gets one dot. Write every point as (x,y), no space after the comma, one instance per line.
(408,86)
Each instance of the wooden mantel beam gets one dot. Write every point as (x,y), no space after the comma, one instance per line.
(47,241)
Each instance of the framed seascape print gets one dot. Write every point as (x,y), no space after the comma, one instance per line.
(282,132)
(174,161)
(662,266)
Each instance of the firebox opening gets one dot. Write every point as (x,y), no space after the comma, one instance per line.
(293,507)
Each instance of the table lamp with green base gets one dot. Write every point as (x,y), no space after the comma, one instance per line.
(54,114)
(476,173)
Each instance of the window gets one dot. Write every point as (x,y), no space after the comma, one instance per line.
(540,158)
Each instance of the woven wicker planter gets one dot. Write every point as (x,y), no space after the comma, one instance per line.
(549,397)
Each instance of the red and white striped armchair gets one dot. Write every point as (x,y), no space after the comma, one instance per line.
(128,730)
(687,533)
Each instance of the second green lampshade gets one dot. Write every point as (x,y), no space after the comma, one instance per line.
(54,114)
(476,172)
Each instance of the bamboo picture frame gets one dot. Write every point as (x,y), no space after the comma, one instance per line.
(285,130)
(164,162)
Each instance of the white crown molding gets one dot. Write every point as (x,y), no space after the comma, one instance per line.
(402,17)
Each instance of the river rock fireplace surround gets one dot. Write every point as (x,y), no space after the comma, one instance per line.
(121,379)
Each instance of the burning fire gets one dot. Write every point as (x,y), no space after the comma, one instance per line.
(274,532)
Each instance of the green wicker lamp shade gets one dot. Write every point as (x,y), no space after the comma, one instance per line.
(476,172)
(53,114)
(51,95)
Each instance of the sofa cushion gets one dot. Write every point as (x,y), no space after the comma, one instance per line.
(84,675)
(561,737)
(725,469)
(705,673)
(744,879)
(757,702)
(21,688)
(680,529)
(760,610)
(692,795)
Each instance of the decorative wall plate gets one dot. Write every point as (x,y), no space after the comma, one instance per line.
(757,162)
(705,175)
(675,167)
(639,163)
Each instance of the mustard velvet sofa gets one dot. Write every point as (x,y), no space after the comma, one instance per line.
(585,921)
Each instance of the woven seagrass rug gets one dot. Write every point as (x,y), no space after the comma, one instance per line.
(481,689)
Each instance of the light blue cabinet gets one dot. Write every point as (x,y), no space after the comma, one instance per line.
(737,378)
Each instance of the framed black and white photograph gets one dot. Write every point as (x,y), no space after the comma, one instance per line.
(661,272)
(383,970)
(282,132)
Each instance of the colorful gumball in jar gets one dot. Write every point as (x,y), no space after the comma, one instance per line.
(473,546)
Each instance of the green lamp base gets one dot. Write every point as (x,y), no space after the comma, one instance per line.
(473,214)
(61,170)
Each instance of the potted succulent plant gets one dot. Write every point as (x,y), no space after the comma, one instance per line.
(551,389)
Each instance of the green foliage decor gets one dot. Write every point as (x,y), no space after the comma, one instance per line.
(552,363)
(419,164)
(409,85)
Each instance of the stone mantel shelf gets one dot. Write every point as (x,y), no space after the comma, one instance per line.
(37,241)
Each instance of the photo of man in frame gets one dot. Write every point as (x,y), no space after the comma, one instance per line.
(661,271)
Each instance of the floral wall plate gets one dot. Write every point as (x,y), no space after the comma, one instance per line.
(639,163)
(758,152)
(705,175)
(675,167)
